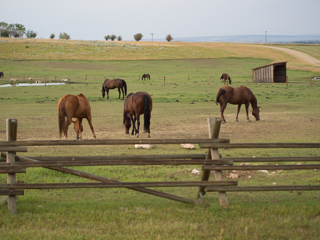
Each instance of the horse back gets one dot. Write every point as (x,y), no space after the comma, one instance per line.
(109,83)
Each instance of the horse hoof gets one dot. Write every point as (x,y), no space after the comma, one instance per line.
(137,135)
(149,136)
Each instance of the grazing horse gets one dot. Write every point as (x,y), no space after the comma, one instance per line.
(112,84)
(1,74)
(135,105)
(225,77)
(72,106)
(145,76)
(239,95)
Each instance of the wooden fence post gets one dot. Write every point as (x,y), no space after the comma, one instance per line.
(310,82)
(214,125)
(11,125)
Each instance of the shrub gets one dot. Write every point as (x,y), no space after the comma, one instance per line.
(52,36)
(107,37)
(31,34)
(119,38)
(169,37)
(64,36)
(113,37)
(138,36)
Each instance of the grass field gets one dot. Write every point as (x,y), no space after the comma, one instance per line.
(180,110)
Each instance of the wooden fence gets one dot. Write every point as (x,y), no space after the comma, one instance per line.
(211,161)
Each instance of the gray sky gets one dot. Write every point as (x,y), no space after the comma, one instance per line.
(94,19)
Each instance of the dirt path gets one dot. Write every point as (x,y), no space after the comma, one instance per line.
(300,55)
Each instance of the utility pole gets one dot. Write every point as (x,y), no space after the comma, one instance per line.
(266,37)
(152,36)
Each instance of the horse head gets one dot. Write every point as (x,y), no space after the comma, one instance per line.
(255,113)
(78,127)
(126,122)
(103,92)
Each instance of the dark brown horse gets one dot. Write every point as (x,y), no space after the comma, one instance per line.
(112,84)
(145,76)
(225,77)
(135,105)
(239,95)
(1,74)
(71,106)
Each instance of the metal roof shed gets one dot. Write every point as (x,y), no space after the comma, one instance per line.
(270,73)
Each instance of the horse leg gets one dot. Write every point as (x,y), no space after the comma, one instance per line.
(107,93)
(247,108)
(69,121)
(138,125)
(239,106)
(91,126)
(222,108)
(122,93)
(133,120)
(119,92)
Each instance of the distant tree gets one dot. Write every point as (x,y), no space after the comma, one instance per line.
(169,38)
(107,37)
(16,30)
(31,34)
(64,36)
(4,29)
(119,38)
(138,36)
(12,30)
(113,37)
(52,36)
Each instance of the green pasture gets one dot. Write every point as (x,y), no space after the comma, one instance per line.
(181,105)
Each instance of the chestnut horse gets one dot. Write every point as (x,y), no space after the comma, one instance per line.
(72,106)
(225,77)
(239,95)
(112,84)
(135,105)
(145,76)
(1,74)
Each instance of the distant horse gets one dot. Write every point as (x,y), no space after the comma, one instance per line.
(225,77)
(135,105)
(145,76)
(239,95)
(112,84)
(1,74)
(72,106)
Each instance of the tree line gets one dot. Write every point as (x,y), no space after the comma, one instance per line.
(18,30)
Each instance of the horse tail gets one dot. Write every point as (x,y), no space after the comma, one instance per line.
(230,80)
(149,77)
(125,86)
(61,116)
(220,92)
(146,113)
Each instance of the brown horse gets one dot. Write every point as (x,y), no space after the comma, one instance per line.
(72,106)
(239,95)
(225,77)
(145,76)
(1,74)
(112,84)
(135,105)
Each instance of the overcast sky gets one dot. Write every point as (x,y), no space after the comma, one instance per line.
(94,19)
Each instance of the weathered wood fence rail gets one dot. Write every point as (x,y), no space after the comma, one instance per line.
(212,161)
